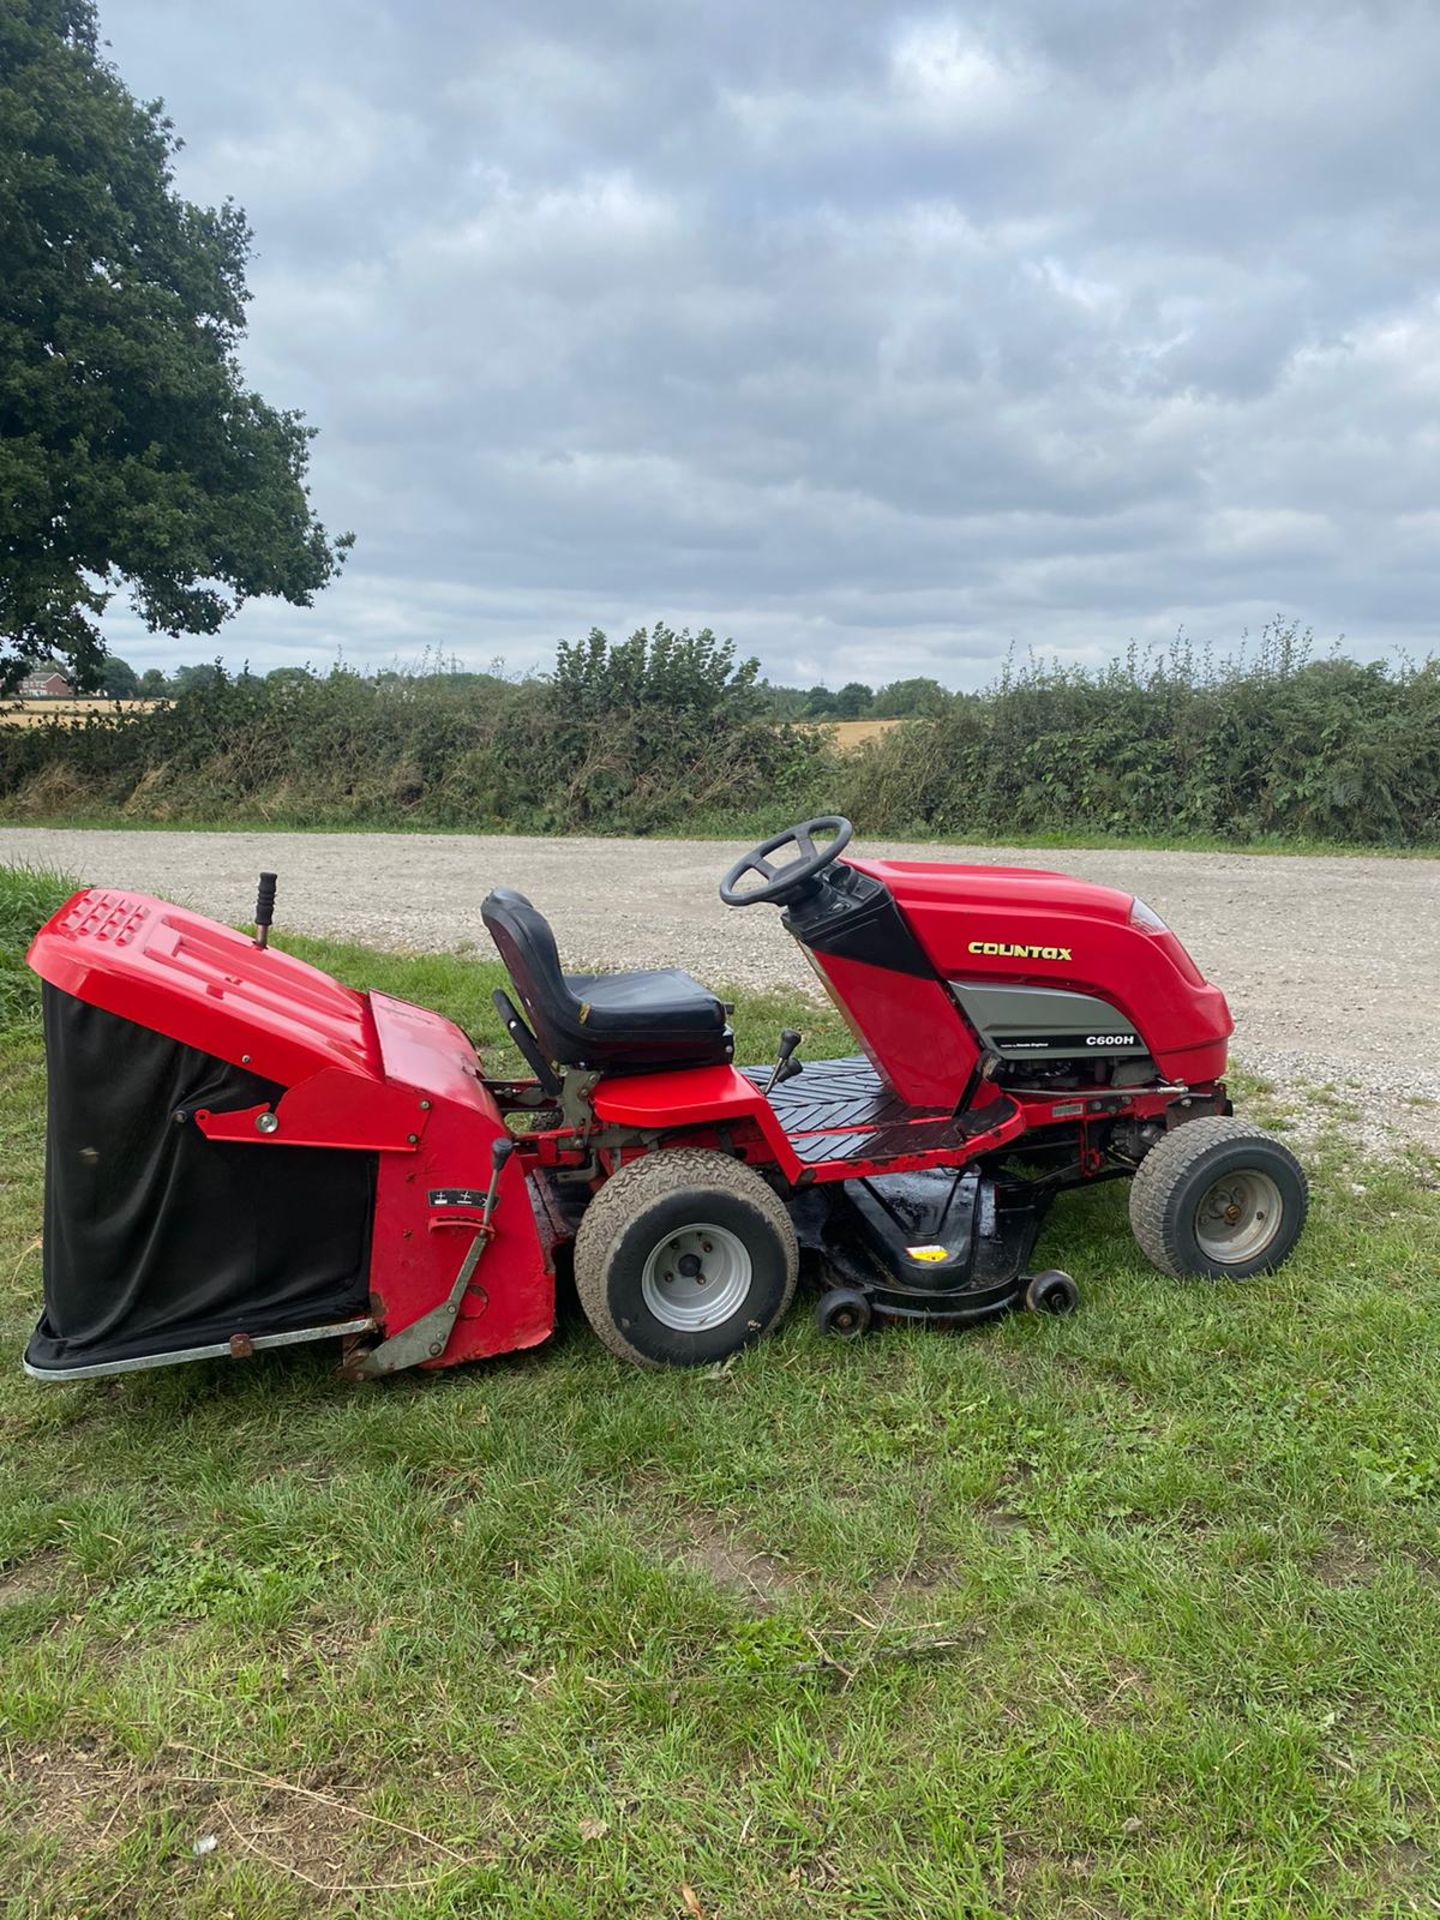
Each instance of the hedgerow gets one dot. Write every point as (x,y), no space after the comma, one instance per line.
(1277,745)
(667,730)
(636,736)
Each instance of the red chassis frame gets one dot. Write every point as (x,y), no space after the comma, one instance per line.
(369,1073)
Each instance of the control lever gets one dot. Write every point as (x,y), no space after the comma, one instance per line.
(500,1151)
(426,1338)
(786,1066)
(264,910)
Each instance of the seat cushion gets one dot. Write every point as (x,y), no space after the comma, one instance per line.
(654,1003)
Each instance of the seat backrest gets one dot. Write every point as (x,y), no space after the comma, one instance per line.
(526,944)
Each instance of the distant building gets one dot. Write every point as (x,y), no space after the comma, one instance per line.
(48,683)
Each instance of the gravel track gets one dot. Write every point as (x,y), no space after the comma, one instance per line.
(1331,965)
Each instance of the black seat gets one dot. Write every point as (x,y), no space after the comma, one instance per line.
(625,1022)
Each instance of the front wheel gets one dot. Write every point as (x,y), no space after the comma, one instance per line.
(1218,1199)
(683,1258)
(1051,1292)
(843,1313)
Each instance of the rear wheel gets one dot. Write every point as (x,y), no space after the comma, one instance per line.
(683,1258)
(1219,1199)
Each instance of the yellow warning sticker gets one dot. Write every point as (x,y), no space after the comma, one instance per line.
(927,1253)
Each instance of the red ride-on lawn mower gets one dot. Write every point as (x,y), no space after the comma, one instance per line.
(243,1153)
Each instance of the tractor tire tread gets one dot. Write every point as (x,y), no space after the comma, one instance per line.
(1169,1162)
(640,1183)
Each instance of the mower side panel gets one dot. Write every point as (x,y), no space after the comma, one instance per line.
(428,1200)
(908,1028)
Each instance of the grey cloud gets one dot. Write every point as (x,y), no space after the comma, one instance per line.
(882,338)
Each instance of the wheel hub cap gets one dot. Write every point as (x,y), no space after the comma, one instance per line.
(697,1278)
(1238,1217)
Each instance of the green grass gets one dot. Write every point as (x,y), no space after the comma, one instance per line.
(744,827)
(1132,1614)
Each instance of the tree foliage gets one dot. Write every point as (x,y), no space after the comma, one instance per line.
(118,679)
(687,673)
(909,699)
(131,449)
(853,701)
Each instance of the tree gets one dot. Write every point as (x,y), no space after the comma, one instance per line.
(118,679)
(904,699)
(786,703)
(153,684)
(204,673)
(853,699)
(678,673)
(131,450)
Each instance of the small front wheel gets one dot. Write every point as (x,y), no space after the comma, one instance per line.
(843,1313)
(1218,1199)
(1051,1292)
(683,1258)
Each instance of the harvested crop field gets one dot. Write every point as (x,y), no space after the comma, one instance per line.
(1331,964)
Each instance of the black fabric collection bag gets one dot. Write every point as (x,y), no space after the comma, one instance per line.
(157,1239)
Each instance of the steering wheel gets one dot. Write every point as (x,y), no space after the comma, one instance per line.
(780,882)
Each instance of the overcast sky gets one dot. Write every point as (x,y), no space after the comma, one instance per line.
(879,339)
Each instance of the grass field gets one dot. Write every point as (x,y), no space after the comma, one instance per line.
(1132,1614)
(68,713)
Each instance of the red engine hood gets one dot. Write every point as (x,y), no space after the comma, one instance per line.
(1027,926)
(946,885)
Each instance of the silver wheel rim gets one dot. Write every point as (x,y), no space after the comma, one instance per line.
(697,1278)
(1238,1217)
